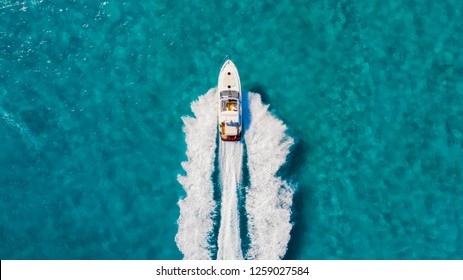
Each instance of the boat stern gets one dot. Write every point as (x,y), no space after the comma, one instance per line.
(230,131)
(230,138)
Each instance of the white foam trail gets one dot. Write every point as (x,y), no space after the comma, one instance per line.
(231,161)
(269,198)
(22,4)
(21,129)
(195,223)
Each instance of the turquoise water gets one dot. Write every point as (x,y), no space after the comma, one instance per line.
(91,95)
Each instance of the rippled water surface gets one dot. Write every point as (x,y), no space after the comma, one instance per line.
(92,94)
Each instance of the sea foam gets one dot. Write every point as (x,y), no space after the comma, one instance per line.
(269,198)
(195,223)
(230,162)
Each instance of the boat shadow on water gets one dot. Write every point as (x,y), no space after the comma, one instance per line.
(246,111)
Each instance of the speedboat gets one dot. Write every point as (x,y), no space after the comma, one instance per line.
(229,102)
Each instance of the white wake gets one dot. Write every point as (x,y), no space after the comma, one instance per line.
(231,162)
(269,198)
(195,223)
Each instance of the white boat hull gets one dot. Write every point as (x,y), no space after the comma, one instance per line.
(229,103)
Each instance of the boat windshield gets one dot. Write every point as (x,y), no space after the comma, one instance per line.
(229,94)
